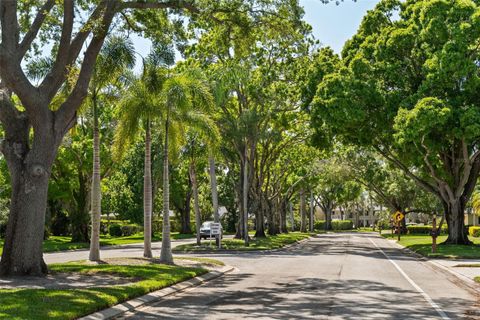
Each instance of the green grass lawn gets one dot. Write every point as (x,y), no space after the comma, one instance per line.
(422,244)
(58,243)
(73,303)
(270,242)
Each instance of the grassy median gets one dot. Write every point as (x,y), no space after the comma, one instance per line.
(72,303)
(268,243)
(59,243)
(422,244)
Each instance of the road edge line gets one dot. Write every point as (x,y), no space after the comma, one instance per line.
(437,308)
(154,296)
(465,282)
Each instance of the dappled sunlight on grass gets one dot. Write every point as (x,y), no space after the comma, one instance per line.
(422,244)
(268,243)
(69,304)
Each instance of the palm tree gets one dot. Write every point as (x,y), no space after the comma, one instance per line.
(186,98)
(115,57)
(140,108)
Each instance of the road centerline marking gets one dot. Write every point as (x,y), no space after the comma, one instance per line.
(437,308)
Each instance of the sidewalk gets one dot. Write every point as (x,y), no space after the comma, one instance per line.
(457,267)
(460,267)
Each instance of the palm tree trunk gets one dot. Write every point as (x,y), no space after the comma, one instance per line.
(196,205)
(96,191)
(166,252)
(147,196)
(213,186)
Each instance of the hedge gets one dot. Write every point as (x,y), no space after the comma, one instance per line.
(336,225)
(130,229)
(424,229)
(474,231)
(115,230)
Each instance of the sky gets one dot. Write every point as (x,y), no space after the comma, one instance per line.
(332,24)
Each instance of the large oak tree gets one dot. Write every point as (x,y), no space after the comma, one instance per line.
(76,31)
(409,86)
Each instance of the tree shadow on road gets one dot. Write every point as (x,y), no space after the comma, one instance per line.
(306,298)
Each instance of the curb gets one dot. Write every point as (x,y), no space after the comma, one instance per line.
(155,296)
(466,281)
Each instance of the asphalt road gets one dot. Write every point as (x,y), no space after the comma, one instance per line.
(334,276)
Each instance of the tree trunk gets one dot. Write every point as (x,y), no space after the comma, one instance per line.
(312,208)
(147,196)
(245,198)
(273,222)
(185,211)
(457,233)
(239,201)
(328,218)
(29,174)
(260,210)
(166,251)
(280,216)
(213,186)
(303,215)
(96,192)
(269,211)
(292,218)
(283,215)
(196,205)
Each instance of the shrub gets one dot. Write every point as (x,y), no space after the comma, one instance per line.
(115,230)
(474,231)
(319,225)
(342,224)
(129,229)
(103,227)
(60,224)
(336,225)
(424,229)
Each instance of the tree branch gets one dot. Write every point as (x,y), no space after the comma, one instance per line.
(10,27)
(68,109)
(422,183)
(35,27)
(68,49)
(159,5)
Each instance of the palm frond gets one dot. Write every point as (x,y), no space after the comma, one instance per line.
(203,125)
(176,94)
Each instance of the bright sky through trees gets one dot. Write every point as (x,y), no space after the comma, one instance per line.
(332,24)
